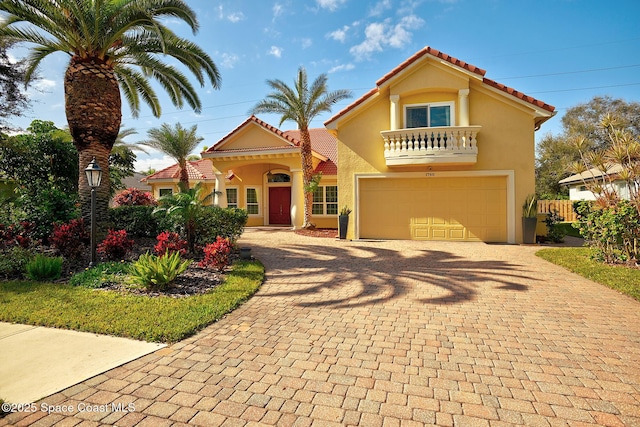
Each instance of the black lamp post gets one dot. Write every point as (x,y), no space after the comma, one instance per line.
(94,176)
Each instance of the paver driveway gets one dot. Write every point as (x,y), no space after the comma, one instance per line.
(389,333)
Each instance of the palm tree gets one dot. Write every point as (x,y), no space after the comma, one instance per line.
(122,145)
(301,104)
(114,45)
(177,143)
(187,206)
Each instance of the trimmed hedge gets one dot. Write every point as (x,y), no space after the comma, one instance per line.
(212,221)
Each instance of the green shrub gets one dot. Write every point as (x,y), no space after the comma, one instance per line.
(136,220)
(555,233)
(43,268)
(214,221)
(101,275)
(13,261)
(157,272)
(611,231)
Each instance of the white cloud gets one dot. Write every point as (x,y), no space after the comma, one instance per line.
(339,35)
(231,17)
(401,34)
(278,9)
(380,35)
(145,162)
(229,60)
(275,51)
(342,67)
(306,43)
(235,17)
(331,5)
(380,7)
(45,84)
(374,40)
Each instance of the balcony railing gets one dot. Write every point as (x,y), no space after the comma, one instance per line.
(442,145)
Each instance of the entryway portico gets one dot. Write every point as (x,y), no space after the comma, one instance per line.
(257,167)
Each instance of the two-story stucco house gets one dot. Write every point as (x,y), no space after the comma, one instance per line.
(437,151)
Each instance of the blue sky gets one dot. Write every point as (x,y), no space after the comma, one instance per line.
(562,52)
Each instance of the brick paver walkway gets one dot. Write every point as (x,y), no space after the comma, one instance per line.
(387,334)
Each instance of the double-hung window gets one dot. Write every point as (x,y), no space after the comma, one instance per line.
(232,197)
(429,115)
(325,200)
(253,204)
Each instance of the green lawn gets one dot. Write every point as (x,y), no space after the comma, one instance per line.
(622,279)
(159,319)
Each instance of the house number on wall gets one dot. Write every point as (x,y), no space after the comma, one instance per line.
(430,174)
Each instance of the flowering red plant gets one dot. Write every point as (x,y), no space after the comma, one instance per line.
(134,197)
(70,238)
(171,242)
(216,254)
(115,246)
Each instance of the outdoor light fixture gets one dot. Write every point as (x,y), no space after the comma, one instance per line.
(94,176)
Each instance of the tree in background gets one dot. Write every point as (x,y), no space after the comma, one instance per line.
(301,104)
(556,154)
(13,99)
(43,165)
(113,46)
(612,224)
(176,142)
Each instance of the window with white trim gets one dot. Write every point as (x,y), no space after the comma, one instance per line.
(325,200)
(232,197)
(252,200)
(429,115)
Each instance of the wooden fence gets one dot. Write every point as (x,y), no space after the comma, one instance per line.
(564,208)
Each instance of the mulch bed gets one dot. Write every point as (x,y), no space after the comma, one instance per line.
(328,233)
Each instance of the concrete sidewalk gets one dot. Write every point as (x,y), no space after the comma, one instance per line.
(36,362)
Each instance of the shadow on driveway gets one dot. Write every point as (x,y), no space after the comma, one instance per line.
(355,274)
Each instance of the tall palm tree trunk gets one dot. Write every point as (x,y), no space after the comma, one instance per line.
(307,175)
(93,108)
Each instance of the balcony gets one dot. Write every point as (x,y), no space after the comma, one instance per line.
(453,145)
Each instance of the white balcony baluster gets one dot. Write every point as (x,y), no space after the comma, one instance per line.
(444,145)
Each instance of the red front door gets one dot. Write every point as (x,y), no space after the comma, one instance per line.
(280,205)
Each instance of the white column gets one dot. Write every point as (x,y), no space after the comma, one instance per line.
(220,198)
(395,112)
(297,198)
(463,103)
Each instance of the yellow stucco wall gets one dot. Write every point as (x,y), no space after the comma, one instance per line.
(505,142)
(208,188)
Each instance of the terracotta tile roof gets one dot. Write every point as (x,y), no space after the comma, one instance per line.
(218,145)
(197,170)
(433,52)
(323,143)
(450,59)
(519,95)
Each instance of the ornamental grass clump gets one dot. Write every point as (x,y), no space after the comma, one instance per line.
(156,273)
(42,268)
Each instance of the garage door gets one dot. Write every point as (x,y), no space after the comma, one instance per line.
(467,209)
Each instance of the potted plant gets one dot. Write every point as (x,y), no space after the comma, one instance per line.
(529,219)
(343,222)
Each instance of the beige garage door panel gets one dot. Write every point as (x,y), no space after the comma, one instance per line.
(471,208)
